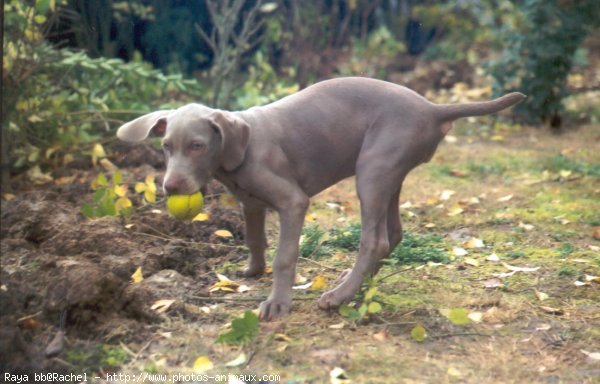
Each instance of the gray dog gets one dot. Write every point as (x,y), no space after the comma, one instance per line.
(279,155)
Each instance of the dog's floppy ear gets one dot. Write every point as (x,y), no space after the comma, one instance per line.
(235,134)
(154,123)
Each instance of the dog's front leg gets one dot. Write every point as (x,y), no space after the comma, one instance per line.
(254,218)
(291,218)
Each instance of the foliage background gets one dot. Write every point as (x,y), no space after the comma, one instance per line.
(73,70)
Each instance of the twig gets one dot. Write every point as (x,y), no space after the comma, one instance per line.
(396,273)
(166,238)
(445,335)
(243,299)
(319,264)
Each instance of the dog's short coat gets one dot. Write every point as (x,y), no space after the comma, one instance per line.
(279,155)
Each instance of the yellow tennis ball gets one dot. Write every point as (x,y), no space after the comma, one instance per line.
(185,207)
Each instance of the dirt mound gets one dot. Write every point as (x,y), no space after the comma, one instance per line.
(61,270)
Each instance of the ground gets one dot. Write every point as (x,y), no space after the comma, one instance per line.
(494,198)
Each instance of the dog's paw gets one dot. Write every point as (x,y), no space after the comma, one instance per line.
(334,298)
(253,270)
(273,309)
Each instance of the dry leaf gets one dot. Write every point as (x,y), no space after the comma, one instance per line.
(458,251)
(319,283)
(592,355)
(455,210)
(223,233)
(338,376)
(161,306)
(552,310)
(471,261)
(201,217)
(406,205)
(430,225)
(541,295)
(520,269)
(596,233)
(303,286)
(137,275)
(202,364)
(338,325)
(527,227)
(492,283)
(446,194)
(474,243)
(382,336)
(224,284)
(505,198)
(476,317)
(493,257)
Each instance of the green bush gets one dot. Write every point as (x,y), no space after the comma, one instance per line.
(540,55)
(55,100)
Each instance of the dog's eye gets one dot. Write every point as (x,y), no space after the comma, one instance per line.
(198,147)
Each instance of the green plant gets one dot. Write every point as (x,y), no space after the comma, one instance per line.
(56,101)
(347,238)
(567,271)
(243,330)
(112,356)
(110,198)
(368,302)
(313,242)
(540,54)
(417,248)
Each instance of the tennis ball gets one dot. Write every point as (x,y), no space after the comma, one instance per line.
(185,207)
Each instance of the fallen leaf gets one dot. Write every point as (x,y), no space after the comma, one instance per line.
(338,325)
(430,225)
(243,288)
(457,251)
(202,364)
(503,275)
(201,217)
(596,233)
(527,227)
(543,327)
(541,295)
(592,355)
(97,153)
(282,337)
(520,269)
(471,261)
(580,283)
(406,205)
(453,372)
(552,310)
(446,194)
(161,306)
(492,283)
(418,333)
(224,284)
(319,283)
(450,139)
(476,317)
(223,233)
(240,360)
(8,196)
(504,199)
(455,210)
(382,336)
(457,316)
(458,173)
(338,376)
(137,276)
(594,279)
(303,286)
(474,243)
(493,258)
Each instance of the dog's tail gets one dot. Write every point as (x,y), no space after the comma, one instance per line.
(451,112)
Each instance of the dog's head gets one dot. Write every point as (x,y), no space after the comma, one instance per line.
(197,141)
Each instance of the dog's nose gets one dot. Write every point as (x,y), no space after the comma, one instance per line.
(172,185)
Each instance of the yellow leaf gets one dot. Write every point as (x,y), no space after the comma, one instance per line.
(137,275)
(541,295)
(97,153)
(108,165)
(122,203)
(224,284)
(227,200)
(140,187)
(150,196)
(223,233)
(121,190)
(319,283)
(471,261)
(458,251)
(150,180)
(201,217)
(202,364)
(454,211)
